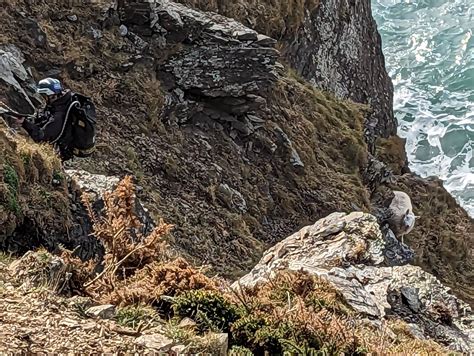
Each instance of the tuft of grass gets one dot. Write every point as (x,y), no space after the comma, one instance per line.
(134,315)
(6,258)
(10,178)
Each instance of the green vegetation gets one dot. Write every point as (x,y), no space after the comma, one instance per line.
(209,309)
(10,178)
(134,315)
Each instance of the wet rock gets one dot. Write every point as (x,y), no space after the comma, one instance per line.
(106,311)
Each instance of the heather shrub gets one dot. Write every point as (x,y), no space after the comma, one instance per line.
(208,308)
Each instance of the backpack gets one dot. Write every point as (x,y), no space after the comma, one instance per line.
(81,115)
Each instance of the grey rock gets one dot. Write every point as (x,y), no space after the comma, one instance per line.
(155,342)
(356,245)
(123,30)
(232,198)
(106,311)
(95,185)
(178,350)
(265,41)
(12,76)
(220,62)
(221,342)
(294,157)
(187,323)
(72,18)
(255,119)
(338,49)
(410,296)
(96,33)
(245,35)
(396,253)
(317,247)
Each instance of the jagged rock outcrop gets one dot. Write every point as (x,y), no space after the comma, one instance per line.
(349,251)
(14,77)
(228,196)
(96,185)
(221,71)
(339,49)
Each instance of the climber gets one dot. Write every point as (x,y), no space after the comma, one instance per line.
(48,126)
(67,121)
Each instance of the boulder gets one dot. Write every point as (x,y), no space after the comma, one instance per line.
(221,64)
(106,311)
(155,342)
(349,250)
(95,185)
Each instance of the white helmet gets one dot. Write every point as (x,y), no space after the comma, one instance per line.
(49,86)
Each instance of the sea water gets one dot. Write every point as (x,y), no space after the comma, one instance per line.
(429,53)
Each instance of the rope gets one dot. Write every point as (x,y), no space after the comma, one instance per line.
(66,120)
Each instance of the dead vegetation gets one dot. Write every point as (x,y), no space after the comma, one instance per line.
(276,18)
(293,313)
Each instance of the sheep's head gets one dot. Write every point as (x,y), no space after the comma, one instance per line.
(408,221)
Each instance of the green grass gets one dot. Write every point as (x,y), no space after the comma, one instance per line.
(10,177)
(133,316)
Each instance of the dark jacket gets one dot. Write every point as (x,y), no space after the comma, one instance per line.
(47,127)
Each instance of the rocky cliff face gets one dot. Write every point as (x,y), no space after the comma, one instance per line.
(334,44)
(350,251)
(227,144)
(338,49)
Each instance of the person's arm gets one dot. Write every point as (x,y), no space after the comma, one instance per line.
(48,132)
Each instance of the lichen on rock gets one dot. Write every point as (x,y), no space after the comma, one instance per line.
(327,249)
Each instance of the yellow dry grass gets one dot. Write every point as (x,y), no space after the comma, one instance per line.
(27,171)
(276,18)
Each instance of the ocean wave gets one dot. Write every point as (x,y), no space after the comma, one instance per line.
(429,50)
